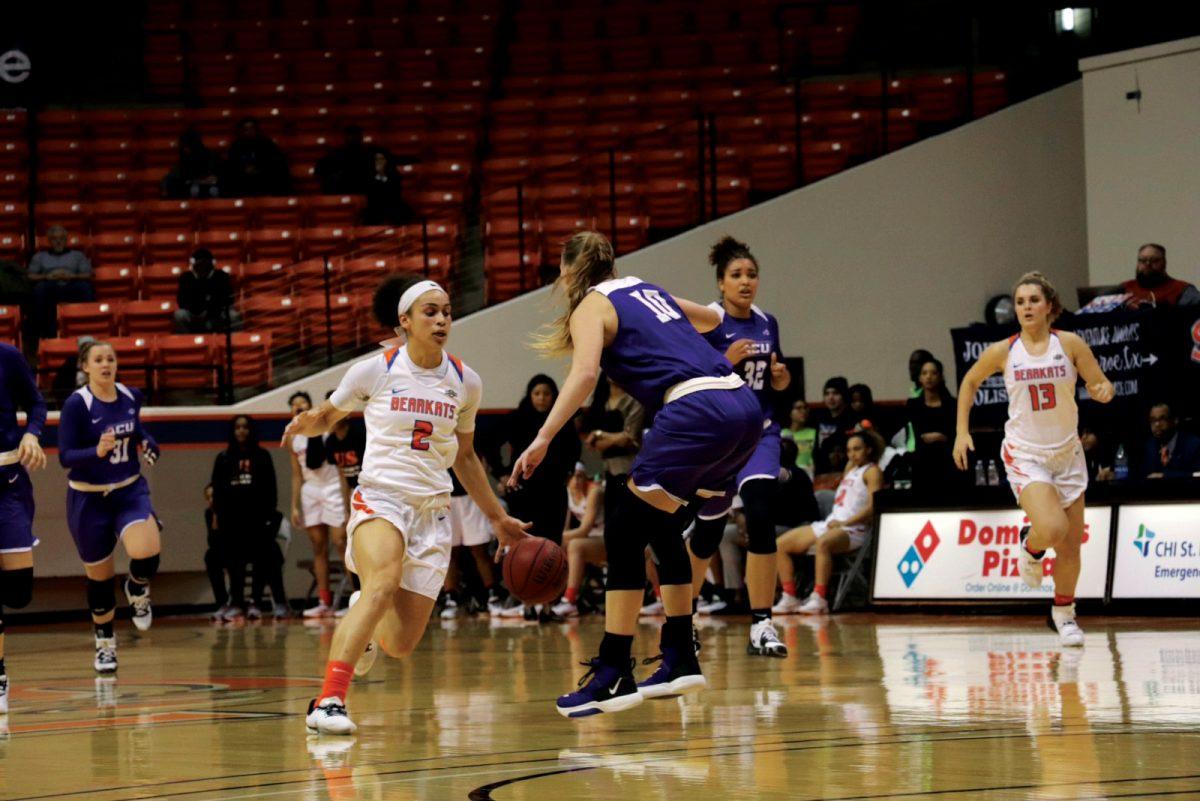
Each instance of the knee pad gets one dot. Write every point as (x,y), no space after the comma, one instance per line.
(626,537)
(706,537)
(671,558)
(142,570)
(758,499)
(102,596)
(17,588)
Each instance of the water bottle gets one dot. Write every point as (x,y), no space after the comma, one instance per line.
(980,475)
(1120,465)
(992,474)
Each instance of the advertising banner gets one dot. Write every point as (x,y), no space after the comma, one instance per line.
(972,555)
(1158,551)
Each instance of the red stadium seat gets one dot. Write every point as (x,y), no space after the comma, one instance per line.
(325,240)
(168,215)
(671,203)
(275,314)
(666,164)
(505,276)
(276,212)
(627,196)
(225,245)
(503,233)
(61,154)
(273,243)
(190,360)
(12,246)
(772,167)
(309,276)
(342,317)
(252,357)
(733,194)
(10,325)
(115,283)
(168,246)
(69,214)
(95,319)
(153,316)
(118,154)
(362,275)
(990,92)
(226,214)
(115,216)
(264,277)
(13,186)
(63,185)
(556,230)
(822,159)
(940,98)
(134,355)
(116,249)
(901,128)
(631,233)
(564,201)
(332,210)
(161,280)
(56,356)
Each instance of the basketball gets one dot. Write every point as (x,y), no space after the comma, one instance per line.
(536,571)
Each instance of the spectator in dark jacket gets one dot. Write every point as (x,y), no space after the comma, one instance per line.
(346,170)
(195,174)
(385,194)
(255,166)
(1169,453)
(834,422)
(204,297)
(932,417)
(244,501)
(541,498)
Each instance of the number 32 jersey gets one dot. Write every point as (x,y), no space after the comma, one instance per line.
(1041,395)
(763,330)
(413,416)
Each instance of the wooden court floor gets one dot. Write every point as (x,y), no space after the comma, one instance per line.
(866,707)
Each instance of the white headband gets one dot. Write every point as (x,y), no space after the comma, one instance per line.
(415,291)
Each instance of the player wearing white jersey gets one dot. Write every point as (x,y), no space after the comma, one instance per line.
(419,404)
(1041,452)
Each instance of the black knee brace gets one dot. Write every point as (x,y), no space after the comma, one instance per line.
(142,570)
(706,537)
(670,553)
(102,596)
(626,538)
(16,588)
(758,496)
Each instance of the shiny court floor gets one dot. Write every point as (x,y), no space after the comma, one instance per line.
(866,707)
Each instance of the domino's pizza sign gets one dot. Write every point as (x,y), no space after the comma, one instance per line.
(918,554)
(973,555)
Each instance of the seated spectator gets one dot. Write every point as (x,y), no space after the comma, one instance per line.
(59,275)
(1151,286)
(836,420)
(846,529)
(346,170)
(585,506)
(833,456)
(255,166)
(862,404)
(204,297)
(1170,452)
(803,435)
(795,501)
(907,440)
(932,417)
(1099,463)
(195,173)
(385,194)
(584,542)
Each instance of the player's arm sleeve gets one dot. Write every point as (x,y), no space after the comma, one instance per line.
(472,398)
(73,449)
(356,386)
(24,390)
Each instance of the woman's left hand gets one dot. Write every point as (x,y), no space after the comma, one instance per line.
(780,375)
(529,460)
(1101,391)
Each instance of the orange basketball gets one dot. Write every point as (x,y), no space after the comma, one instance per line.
(536,571)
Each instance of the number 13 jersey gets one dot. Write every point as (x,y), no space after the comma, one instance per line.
(1041,395)
(413,416)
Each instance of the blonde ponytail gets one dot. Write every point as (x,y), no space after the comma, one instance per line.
(588,259)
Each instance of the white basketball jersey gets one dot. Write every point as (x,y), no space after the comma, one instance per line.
(325,475)
(1041,395)
(413,415)
(852,494)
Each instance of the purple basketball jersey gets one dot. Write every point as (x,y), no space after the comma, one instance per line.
(656,347)
(763,330)
(84,418)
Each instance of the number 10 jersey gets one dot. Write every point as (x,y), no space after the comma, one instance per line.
(413,416)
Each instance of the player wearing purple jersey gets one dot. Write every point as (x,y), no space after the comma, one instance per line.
(706,427)
(749,338)
(100,440)
(19,453)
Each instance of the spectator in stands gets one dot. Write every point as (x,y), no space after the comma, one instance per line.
(862,405)
(1170,452)
(803,435)
(917,358)
(204,297)
(195,173)
(59,275)
(835,421)
(932,417)
(255,166)
(385,193)
(215,559)
(1151,286)
(347,170)
(1099,463)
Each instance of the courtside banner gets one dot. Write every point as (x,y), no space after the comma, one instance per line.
(972,555)
(1158,551)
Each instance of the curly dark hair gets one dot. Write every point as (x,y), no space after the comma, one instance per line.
(727,251)
(387,298)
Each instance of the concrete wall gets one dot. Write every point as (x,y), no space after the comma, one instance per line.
(863,267)
(1143,158)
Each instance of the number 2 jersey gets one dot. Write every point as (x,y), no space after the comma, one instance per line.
(84,418)
(763,330)
(413,417)
(1041,395)
(656,347)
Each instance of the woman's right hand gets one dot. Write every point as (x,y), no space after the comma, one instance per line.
(962,444)
(108,441)
(297,520)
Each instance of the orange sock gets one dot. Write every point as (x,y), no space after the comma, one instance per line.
(790,588)
(1064,600)
(337,680)
(572,595)
(819,589)
(326,597)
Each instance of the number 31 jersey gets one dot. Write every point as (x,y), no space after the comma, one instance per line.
(413,416)
(763,330)
(1041,395)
